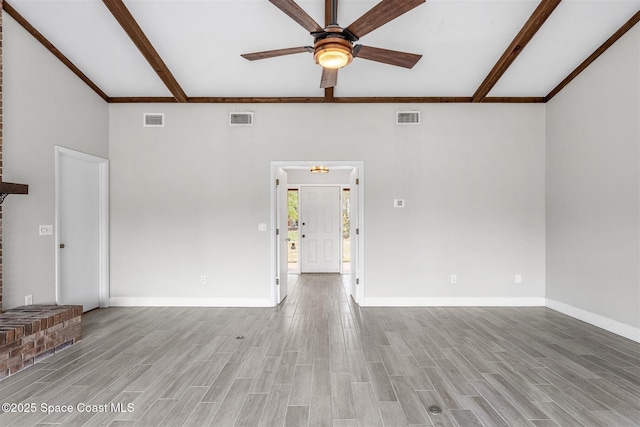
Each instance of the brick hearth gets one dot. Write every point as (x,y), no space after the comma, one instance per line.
(33,332)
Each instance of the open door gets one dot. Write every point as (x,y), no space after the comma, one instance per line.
(81,229)
(354,207)
(282,227)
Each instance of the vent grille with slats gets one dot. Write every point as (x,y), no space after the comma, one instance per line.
(153,120)
(408,117)
(241,119)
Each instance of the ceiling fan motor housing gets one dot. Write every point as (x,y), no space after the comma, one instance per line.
(333,51)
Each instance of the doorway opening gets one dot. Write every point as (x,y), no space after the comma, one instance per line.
(298,244)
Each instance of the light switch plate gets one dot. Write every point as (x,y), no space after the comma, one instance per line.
(262,227)
(398,203)
(45,230)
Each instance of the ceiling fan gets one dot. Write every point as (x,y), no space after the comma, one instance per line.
(333,46)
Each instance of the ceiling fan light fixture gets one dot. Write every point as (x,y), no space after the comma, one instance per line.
(319,169)
(333,52)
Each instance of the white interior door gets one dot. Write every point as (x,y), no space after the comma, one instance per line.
(354,192)
(320,229)
(80,229)
(282,227)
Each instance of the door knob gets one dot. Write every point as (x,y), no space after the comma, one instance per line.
(61,245)
(303,236)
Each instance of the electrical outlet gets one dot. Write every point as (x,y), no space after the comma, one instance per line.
(518,278)
(262,227)
(203,279)
(28,299)
(454,278)
(45,230)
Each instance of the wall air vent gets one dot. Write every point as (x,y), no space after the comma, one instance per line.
(407,117)
(241,119)
(154,120)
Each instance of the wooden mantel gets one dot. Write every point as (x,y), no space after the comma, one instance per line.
(12,188)
(7,188)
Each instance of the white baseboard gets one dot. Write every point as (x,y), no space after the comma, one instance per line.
(453,302)
(605,323)
(189,302)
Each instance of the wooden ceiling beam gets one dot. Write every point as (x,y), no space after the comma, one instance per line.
(322,99)
(530,28)
(51,48)
(133,30)
(606,45)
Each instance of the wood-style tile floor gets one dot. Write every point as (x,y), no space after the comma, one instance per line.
(319,360)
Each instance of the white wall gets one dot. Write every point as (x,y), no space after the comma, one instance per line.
(45,105)
(305,177)
(187,199)
(593,192)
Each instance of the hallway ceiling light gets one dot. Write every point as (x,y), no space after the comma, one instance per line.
(319,169)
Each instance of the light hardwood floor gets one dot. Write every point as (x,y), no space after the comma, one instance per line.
(319,360)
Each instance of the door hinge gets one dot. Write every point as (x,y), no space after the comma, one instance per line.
(357,281)
(277,281)
(357,231)
(277,181)
(357,181)
(277,231)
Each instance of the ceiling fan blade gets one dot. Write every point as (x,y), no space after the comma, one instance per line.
(391,57)
(277,52)
(296,13)
(329,77)
(380,14)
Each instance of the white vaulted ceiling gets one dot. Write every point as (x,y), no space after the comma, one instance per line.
(200,41)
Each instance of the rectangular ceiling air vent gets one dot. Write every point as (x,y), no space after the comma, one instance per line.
(241,119)
(153,120)
(407,117)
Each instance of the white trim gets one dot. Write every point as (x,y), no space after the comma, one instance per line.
(273,239)
(103,171)
(453,302)
(189,302)
(605,323)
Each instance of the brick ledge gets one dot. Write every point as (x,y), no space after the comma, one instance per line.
(31,333)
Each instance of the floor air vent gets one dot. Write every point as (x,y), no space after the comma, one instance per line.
(407,117)
(240,119)
(153,120)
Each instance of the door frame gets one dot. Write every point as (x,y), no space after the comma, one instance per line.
(282,272)
(103,197)
(358,263)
